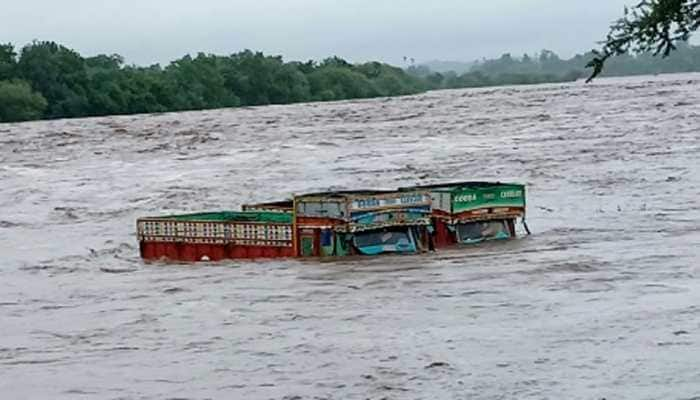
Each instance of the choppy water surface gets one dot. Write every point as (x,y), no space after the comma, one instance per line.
(602,301)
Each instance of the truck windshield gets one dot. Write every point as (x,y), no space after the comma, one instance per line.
(375,242)
(482,230)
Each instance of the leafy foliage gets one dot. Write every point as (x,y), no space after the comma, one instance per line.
(652,26)
(74,86)
(59,74)
(8,61)
(47,80)
(19,103)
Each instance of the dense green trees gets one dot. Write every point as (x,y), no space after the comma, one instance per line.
(19,103)
(47,80)
(17,100)
(59,74)
(8,61)
(73,86)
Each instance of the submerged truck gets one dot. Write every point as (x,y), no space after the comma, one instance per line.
(365,222)
(471,212)
(341,223)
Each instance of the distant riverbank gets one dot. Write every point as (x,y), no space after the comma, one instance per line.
(45,80)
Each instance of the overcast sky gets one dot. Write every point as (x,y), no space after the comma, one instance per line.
(149,31)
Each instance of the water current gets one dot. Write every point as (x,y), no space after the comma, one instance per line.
(602,301)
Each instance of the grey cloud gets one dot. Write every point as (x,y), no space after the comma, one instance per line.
(160,30)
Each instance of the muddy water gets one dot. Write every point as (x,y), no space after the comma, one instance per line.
(602,301)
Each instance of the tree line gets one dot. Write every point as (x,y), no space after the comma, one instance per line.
(547,66)
(48,80)
(45,80)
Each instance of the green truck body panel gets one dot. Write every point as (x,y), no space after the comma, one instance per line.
(503,195)
(233,216)
(459,197)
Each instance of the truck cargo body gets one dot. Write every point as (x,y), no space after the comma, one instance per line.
(216,236)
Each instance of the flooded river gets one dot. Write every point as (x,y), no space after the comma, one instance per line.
(602,301)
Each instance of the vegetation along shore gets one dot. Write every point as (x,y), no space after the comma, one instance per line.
(46,80)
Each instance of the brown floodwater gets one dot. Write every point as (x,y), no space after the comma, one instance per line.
(603,300)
